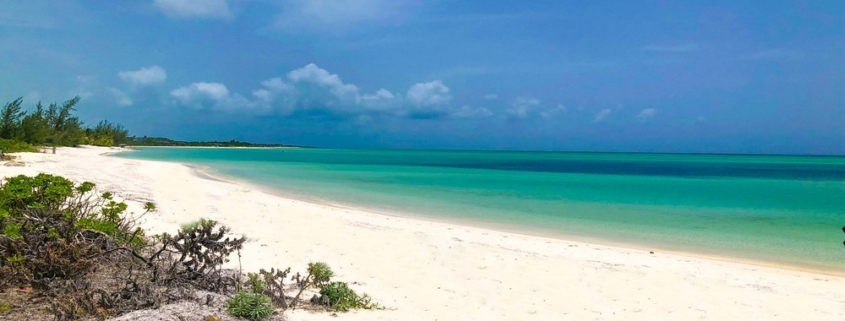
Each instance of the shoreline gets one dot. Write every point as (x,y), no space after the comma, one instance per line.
(426,270)
(206,172)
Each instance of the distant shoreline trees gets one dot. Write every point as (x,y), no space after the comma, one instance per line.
(55,125)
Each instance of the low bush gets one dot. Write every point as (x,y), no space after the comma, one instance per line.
(15,146)
(80,255)
(250,306)
(339,297)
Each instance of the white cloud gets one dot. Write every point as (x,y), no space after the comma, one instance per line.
(321,77)
(382,100)
(548,113)
(312,87)
(216,96)
(214,9)
(121,98)
(472,112)
(602,115)
(491,96)
(152,75)
(197,90)
(522,107)
(277,84)
(647,113)
(428,94)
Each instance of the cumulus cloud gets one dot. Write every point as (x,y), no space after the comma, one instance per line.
(382,100)
(647,113)
(522,107)
(153,75)
(121,98)
(216,96)
(602,115)
(472,112)
(212,9)
(551,112)
(321,77)
(428,94)
(314,88)
(213,90)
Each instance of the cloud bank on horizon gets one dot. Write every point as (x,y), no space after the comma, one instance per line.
(622,76)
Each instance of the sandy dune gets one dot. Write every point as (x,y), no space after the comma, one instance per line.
(435,271)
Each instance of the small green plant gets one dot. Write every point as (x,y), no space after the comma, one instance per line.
(5,308)
(341,298)
(319,274)
(256,283)
(200,224)
(250,306)
(12,230)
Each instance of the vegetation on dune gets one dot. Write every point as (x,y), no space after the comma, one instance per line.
(69,252)
(55,125)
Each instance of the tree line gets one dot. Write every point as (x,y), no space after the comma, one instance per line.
(53,125)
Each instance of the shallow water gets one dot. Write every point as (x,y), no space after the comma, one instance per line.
(777,209)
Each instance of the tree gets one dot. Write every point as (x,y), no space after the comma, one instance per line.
(10,119)
(35,127)
(66,128)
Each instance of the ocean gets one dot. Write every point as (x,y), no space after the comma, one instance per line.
(780,210)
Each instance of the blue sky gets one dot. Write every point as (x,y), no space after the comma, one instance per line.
(668,76)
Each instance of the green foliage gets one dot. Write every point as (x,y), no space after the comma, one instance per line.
(320,273)
(42,191)
(250,306)
(201,224)
(149,207)
(55,125)
(341,298)
(12,230)
(10,119)
(255,283)
(5,308)
(15,146)
(16,260)
(49,213)
(106,134)
(35,127)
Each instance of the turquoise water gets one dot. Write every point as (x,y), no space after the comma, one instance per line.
(777,209)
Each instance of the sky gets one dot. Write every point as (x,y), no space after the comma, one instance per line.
(644,76)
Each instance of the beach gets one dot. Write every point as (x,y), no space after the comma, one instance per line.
(423,270)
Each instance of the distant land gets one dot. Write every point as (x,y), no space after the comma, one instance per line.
(162,141)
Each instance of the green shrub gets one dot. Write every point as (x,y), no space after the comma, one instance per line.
(250,306)
(256,283)
(320,273)
(341,298)
(5,308)
(15,146)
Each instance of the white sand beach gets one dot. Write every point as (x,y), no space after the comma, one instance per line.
(435,271)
